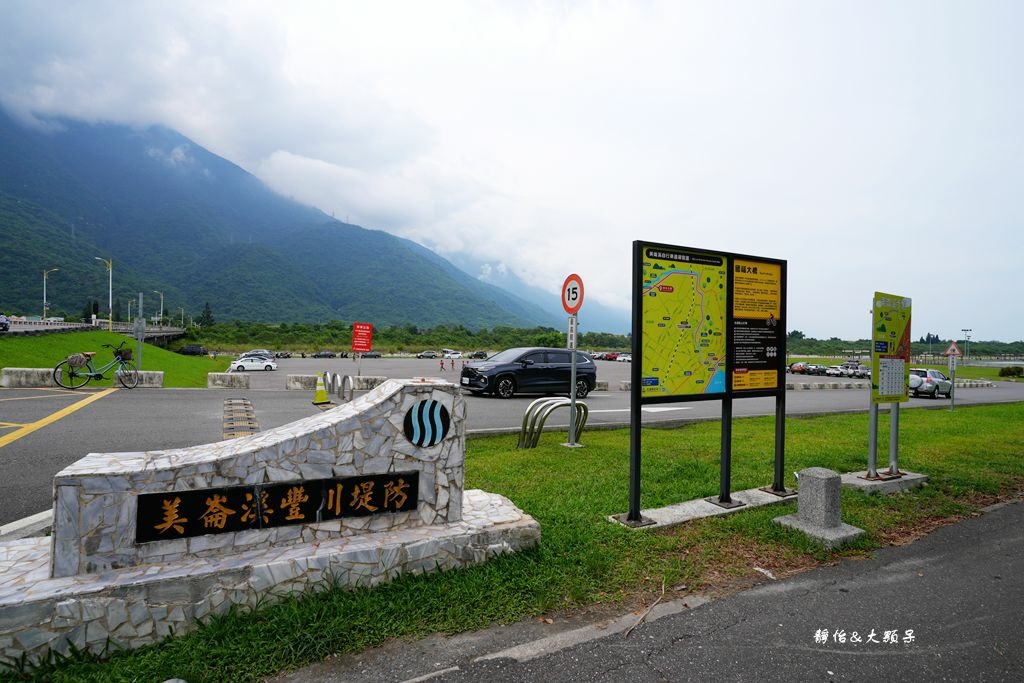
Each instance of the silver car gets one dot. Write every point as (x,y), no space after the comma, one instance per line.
(929,383)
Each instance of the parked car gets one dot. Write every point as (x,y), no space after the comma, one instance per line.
(834,371)
(192,350)
(611,355)
(324,354)
(283,354)
(427,354)
(863,371)
(813,369)
(478,354)
(5,323)
(529,370)
(371,354)
(453,354)
(798,367)
(253,363)
(930,383)
(625,358)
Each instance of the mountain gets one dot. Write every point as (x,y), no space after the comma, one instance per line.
(593,317)
(177,219)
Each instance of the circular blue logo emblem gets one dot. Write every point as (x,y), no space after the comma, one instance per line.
(427,423)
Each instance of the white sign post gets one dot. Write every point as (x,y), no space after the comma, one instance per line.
(572,300)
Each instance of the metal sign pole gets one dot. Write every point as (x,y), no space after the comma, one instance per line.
(952,378)
(140,333)
(872,441)
(572,381)
(894,439)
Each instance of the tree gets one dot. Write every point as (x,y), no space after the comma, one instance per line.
(91,308)
(206,319)
(795,334)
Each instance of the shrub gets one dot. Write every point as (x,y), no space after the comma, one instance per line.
(1011,371)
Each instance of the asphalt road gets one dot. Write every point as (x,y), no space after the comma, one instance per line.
(37,440)
(952,600)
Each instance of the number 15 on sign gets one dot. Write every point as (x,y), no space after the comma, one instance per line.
(572,294)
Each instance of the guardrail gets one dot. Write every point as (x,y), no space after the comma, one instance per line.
(537,414)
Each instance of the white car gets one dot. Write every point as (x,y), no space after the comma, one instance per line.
(253,363)
(453,354)
(625,358)
(834,371)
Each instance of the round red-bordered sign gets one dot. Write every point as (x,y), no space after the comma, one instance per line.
(572,294)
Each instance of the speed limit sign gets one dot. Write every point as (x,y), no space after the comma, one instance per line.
(572,294)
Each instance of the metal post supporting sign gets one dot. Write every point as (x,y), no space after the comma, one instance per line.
(572,300)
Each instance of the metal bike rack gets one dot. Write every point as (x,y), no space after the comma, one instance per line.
(335,384)
(538,413)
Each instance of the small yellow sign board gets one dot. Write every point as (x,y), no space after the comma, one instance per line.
(890,348)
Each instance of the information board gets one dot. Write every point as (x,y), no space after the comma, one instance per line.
(890,348)
(710,323)
(757,336)
(684,322)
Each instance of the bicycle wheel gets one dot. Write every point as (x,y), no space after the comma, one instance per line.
(70,376)
(127,374)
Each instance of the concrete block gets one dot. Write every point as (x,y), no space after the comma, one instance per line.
(601,385)
(13,378)
(227,380)
(818,509)
(365,383)
(909,480)
(151,378)
(300,382)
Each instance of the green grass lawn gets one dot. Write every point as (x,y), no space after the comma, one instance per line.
(46,350)
(584,562)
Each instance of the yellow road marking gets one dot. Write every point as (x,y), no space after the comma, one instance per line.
(50,419)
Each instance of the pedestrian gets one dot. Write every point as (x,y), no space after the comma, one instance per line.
(453,363)
(442,365)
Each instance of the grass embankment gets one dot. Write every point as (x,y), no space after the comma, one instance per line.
(46,350)
(585,562)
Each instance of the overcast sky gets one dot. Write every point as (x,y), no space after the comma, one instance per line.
(876,146)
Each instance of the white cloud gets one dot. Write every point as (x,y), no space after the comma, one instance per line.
(857,141)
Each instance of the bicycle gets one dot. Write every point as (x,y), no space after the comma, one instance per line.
(77,369)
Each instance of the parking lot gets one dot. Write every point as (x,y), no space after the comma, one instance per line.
(44,430)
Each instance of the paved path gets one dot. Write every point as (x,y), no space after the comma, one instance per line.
(953,600)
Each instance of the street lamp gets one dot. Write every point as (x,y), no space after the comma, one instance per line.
(110,291)
(161,320)
(46,306)
(129,311)
(182,309)
(967,342)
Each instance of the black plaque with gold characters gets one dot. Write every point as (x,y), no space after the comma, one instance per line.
(184,514)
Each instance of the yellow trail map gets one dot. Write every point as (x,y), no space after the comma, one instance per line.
(684,318)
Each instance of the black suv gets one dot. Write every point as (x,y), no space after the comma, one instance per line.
(530,371)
